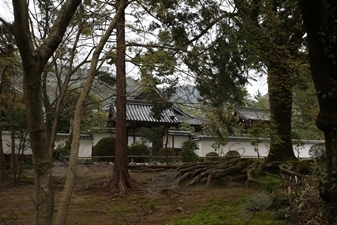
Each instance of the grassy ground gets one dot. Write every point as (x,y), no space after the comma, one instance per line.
(163,205)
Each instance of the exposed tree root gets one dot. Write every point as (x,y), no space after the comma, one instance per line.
(121,183)
(231,170)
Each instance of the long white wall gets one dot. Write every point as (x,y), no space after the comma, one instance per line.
(204,143)
(246,149)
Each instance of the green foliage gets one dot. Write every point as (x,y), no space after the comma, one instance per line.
(93,115)
(298,145)
(259,101)
(270,183)
(260,201)
(184,126)
(212,156)
(187,153)
(105,147)
(227,211)
(139,149)
(318,152)
(305,106)
(232,154)
(166,152)
(60,152)
(154,135)
(295,135)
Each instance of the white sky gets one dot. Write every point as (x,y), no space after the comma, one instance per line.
(259,84)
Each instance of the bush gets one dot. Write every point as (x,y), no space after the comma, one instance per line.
(187,153)
(317,151)
(60,152)
(139,149)
(105,147)
(212,156)
(295,135)
(232,154)
(166,152)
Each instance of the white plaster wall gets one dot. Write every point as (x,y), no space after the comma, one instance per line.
(130,140)
(6,144)
(247,150)
(178,140)
(85,149)
(99,136)
(242,146)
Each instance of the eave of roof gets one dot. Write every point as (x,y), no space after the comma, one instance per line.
(138,111)
(253,114)
(82,136)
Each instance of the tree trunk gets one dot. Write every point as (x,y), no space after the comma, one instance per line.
(280,100)
(320,23)
(121,179)
(63,208)
(37,133)
(3,174)
(34,59)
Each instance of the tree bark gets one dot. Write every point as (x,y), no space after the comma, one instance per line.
(63,208)
(280,101)
(121,179)
(319,18)
(276,39)
(33,62)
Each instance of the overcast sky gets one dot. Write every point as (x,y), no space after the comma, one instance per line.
(259,84)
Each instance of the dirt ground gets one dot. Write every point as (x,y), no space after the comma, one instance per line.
(161,205)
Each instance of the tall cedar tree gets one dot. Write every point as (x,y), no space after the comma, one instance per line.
(320,21)
(121,179)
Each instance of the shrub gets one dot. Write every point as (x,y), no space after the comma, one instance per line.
(105,147)
(166,152)
(187,153)
(317,151)
(295,135)
(139,149)
(60,152)
(212,156)
(232,154)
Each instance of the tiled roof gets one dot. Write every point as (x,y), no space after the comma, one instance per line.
(142,112)
(140,92)
(184,117)
(253,114)
(139,104)
(82,136)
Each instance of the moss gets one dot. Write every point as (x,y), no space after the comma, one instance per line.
(232,211)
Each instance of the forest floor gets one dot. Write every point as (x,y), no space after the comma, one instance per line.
(162,204)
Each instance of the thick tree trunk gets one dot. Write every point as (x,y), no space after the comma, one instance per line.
(34,59)
(121,179)
(280,101)
(37,133)
(319,18)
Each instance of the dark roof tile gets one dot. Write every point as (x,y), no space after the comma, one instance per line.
(253,114)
